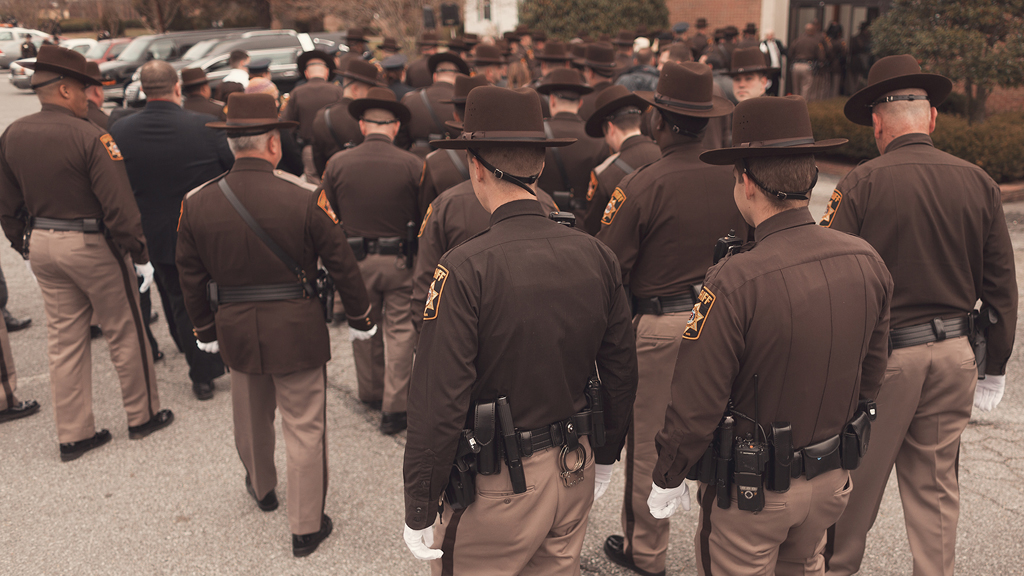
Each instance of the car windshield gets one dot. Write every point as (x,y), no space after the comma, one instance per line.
(199,50)
(97,51)
(135,50)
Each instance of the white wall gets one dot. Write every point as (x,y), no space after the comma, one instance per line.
(774,16)
(504,17)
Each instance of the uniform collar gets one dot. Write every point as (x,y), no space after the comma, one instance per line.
(516,208)
(252,165)
(783,221)
(633,141)
(692,148)
(567,116)
(378,138)
(909,139)
(57,108)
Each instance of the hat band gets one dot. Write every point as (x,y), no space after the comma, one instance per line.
(523,182)
(897,98)
(675,103)
(505,135)
(249,122)
(777,143)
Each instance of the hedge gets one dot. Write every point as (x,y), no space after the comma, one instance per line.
(77,25)
(996,145)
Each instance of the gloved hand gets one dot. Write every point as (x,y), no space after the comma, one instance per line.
(663,502)
(602,478)
(354,334)
(989,392)
(209,347)
(420,542)
(146,271)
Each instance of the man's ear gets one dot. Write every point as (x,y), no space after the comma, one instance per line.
(749,188)
(876,123)
(934,113)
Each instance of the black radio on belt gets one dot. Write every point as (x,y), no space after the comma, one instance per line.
(726,246)
(564,218)
(749,459)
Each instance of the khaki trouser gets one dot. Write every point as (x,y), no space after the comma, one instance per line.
(384,362)
(302,398)
(8,377)
(657,346)
(786,538)
(308,167)
(923,407)
(79,275)
(539,532)
(803,76)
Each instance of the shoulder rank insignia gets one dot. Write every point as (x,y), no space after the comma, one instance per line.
(593,186)
(833,206)
(700,312)
(426,217)
(111,146)
(324,205)
(616,201)
(434,294)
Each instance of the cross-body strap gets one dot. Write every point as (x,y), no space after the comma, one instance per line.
(437,121)
(330,129)
(460,164)
(623,166)
(557,152)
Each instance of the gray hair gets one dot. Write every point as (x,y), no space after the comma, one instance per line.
(257,143)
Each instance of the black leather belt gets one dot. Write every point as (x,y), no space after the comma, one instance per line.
(554,435)
(260,293)
(817,459)
(383,246)
(659,305)
(937,330)
(87,225)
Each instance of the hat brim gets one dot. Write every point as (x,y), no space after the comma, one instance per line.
(543,58)
(765,70)
(719,107)
(362,79)
(255,124)
(434,61)
(595,122)
(66,72)
(465,143)
(728,156)
(580,89)
(858,107)
(489,62)
(195,83)
(357,107)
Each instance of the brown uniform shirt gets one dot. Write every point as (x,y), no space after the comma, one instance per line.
(214,243)
(196,103)
(636,152)
(718,134)
(374,188)
(306,100)
(442,169)
(521,310)
(424,126)
(663,221)
(804,309)
(97,116)
(345,134)
(417,75)
(54,164)
(938,223)
(578,158)
(807,49)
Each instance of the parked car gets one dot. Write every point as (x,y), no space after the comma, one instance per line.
(107,50)
(80,45)
(21,77)
(10,43)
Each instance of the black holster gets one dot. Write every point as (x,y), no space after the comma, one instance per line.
(358,246)
(854,440)
(213,295)
(325,293)
(980,321)
(596,406)
(461,489)
(485,427)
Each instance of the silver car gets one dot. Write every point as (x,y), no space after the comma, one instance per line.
(10,43)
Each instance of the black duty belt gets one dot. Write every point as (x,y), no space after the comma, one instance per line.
(937,330)
(382,246)
(260,293)
(659,305)
(817,459)
(554,435)
(87,225)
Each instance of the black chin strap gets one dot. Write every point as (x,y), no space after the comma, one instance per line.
(802,195)
(521,181)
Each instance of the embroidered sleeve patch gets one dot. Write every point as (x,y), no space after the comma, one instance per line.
(324,205)
(426,217)
(434,294)
(833,206)
(593,186)
(700,312)
(616,201)
(111,146)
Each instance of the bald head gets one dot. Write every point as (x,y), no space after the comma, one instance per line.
(159,80)
(894,119)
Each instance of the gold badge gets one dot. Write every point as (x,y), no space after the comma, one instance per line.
(111,146)
(324,205)
(434,294)
(616,201)
(700,312)
(426,217)
(833,206)
(593,186)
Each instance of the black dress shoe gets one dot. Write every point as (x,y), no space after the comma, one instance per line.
(373,404)
(153,317)
(95,332)
(392,422)
(269,502)
(306,544)
(157,355)
(72,450)
(13,324)
(613,548)
(161,419)
(203,390)
(19,410)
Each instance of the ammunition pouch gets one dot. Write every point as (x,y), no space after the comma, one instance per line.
(358,246)
(816,459)
(855,439)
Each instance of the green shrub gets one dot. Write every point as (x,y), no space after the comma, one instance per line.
(77,25)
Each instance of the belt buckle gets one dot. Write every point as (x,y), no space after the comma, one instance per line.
(939,329)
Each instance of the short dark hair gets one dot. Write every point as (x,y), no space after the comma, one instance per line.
(515,160)
(626,119)
(784,173)
(687,125)
(237,57)
(644,56)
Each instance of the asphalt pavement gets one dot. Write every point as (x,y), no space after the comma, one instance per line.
(175,503)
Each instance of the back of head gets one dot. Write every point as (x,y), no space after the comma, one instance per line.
(237,57)
(158,79)
(644,57)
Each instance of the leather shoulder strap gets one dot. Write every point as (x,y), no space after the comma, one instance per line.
(330,129)
(623,166)
(433,115)
(460,164)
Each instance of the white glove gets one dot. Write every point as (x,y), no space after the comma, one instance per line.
(354,334)
(663,502)
(602,478)
(146,271)
(989,392)
(420,542)
(208,347)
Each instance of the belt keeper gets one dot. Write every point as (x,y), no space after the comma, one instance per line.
(657,306)
(526,443)
(556,434)
(939,328)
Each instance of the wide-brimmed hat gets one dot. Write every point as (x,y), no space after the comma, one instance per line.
(539,35)
(749,61)
(463,85)
(894,73)
(523,30)
(306,57)
(427,39)
(686,89)
(624,38)
(702,22)
(770,126)
(579,53)
(355,35)
(93,70)
(731,31)
(63,62)
(600,56)
(554,51)
(488,55)
(390,44)
(750,29)
(502,117)
(457,45)
(608,101)
(192,77)
(380,98)
(563,80)
(437,59)
(361,71)
(510,37)
(471,39)
(251,114)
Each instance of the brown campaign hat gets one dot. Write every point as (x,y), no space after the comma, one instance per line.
(770,126)
(457,45)
(539,35)
(355,35)
(686,89)
(488,55)
(390,44)
(625,38)
(471,39)
(93,70)
(463,84)
(894,73)
(523,30)
(600,56)
(749,61)
(379,98)
(63,62)
(361,71)
(427,39)
(563,80)
(608,102)
(554,51)
(502,117)
(751,29)
(579,53)
(306,57)
(510,36)
(192,77)
(702,22)
(435,60)
(251,114)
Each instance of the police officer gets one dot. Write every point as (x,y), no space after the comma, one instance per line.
(264,324)
(700,41)
(10,407)
(418,74)
(306,100)
(374,188)
(28,49)
(756,349)
(806,53)
(489,62)
(599,71)
(394,73)
(355,39)
(196,91)
(94,92)
(426,105)
(521,311)
(342,132)
(662,222)
(924,210)
(65,175)
(750,73)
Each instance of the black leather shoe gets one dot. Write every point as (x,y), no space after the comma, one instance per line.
(269,502)
(161,419)
(613,548)
(153,317)
(203,390)
(13,324)
(157,355)
(306,544)
(95,332)
(19,410)
(372,404)
(72,450)
(392,422)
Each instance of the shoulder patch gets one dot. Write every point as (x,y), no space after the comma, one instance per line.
(617,200)
(700,312)
(324,205)
(833,206)
(111,146)
(434,294)
(593,186)
(423,226)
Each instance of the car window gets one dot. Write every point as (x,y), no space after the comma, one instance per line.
(97,51)
(81,48)
(116,50)
(160,50)
(200,49)
(6,36)
(282,57)
(135,50)
(221,64)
